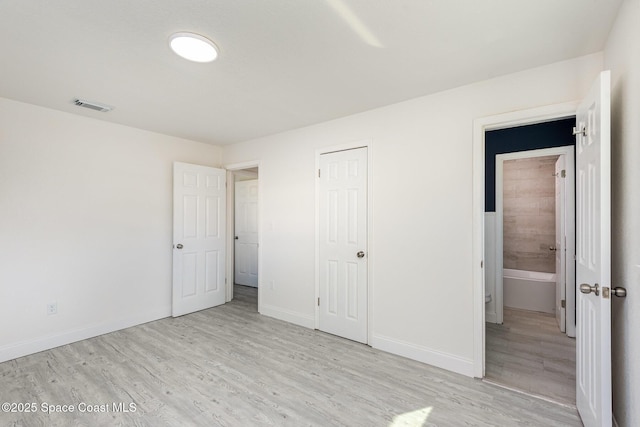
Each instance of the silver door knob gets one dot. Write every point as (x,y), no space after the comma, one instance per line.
(360,254)
(587,289)
(552,248)
(179,246)
(619,291)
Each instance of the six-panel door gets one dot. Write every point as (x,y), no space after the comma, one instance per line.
(199,213)
(343,244)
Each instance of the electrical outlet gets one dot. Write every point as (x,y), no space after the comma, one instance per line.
(52,308)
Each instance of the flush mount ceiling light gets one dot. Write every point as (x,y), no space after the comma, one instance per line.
(193,47)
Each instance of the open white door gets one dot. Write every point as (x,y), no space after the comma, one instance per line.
(246,233)
(561,288)
(199,224)
(342,258)
(593,263)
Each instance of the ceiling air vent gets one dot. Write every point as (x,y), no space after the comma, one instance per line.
(92,105)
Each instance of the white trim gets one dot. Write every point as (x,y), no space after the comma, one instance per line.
(368,144)
(294,317)
(244,165)
(499,218)
(231,225)
(231,218)
(480,125)
(491,318)
(47,342)
(426,355)
(570,245)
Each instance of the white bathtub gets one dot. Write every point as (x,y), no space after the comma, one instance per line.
(529,290)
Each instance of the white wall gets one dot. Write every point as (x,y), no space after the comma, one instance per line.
(422,209)
(622,56)
(490,311)
(85,221)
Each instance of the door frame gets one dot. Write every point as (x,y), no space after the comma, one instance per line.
(480,126)
(231,208)
(368,144)
(499,231)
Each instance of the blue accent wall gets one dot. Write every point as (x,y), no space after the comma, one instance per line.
(558,133)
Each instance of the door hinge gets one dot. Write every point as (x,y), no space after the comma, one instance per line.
(481,264)
(563,303)
(318,173)
(582,131)
(318,301)
(563,173)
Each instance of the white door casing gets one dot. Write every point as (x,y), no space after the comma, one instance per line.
(199,226)
(560,249)
(246,233)
(569,242)
(566,241)
(593,263)
(480,126)
(342,258)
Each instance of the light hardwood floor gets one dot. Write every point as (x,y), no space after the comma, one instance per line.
(528,352)
(231,366)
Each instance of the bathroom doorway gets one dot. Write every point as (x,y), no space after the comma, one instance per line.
(534,229)
(526,307)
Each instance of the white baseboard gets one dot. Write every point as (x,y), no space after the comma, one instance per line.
(490,317)
(439,359)
(288,316)
(24,348)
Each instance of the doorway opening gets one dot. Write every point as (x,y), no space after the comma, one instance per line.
(529,345)
(529,229)
(244,231)
(593,240)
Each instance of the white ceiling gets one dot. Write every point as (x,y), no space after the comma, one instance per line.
(283,64)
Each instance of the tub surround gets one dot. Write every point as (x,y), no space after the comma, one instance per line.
(529,214)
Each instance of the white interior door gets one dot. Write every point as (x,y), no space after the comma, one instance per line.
(561,289)
(246,233)
(199,224)
(342,260)
(593,263)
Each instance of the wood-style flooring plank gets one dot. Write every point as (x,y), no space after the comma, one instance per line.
(528,352)
(230,366)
